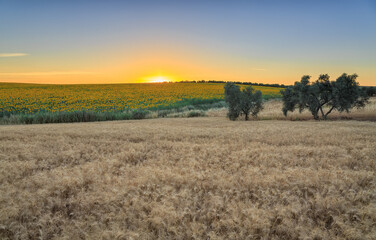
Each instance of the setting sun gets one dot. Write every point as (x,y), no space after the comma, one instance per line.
(156,79)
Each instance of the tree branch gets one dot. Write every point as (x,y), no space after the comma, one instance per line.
(329,112)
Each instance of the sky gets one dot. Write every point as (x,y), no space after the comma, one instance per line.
(78,41)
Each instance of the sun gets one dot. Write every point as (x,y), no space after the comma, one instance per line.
(157,79)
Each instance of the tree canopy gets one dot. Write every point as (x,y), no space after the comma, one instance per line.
(341,95)
(248,101)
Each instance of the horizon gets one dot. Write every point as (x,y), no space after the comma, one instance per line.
(269,42)
(182,81)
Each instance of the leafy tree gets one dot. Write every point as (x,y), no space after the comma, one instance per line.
(246,101)
(342,95)
(250,102)
(232,97)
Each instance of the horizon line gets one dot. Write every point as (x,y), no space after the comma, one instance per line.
(183,81)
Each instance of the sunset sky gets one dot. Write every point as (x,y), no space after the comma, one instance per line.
(144,41)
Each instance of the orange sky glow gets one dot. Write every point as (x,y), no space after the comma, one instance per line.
(137,42)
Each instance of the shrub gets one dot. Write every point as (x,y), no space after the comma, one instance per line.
(139,114)
(195,114)
(163,113)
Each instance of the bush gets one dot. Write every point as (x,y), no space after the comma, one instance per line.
(139,114)
(163,113)
(195,114)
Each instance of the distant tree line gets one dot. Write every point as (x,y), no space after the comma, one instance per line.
(371,91)
(240,83)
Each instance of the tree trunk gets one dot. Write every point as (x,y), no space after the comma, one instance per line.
(316,114)
(322,113)
(247,116)
(326,115)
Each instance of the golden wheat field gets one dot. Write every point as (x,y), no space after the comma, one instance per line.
(196,178)
(29,98)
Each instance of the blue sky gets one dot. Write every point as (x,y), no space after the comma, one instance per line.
(124,41)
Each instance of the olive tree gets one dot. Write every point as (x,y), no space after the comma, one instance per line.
(341,95)
(248,101)
(232,98)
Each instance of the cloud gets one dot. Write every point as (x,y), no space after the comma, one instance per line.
(45,73)
(13,54)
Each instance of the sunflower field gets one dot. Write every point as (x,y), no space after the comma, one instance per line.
(18,98)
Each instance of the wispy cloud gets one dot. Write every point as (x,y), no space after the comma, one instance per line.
(259,69)
(45,73)
(13,54)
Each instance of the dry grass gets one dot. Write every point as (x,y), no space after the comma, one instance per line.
(194,178)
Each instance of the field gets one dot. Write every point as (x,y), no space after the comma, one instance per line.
(32,98)
(196,178)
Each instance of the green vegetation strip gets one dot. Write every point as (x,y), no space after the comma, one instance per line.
(194,107)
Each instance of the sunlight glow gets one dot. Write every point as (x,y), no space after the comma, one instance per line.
(157,79)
